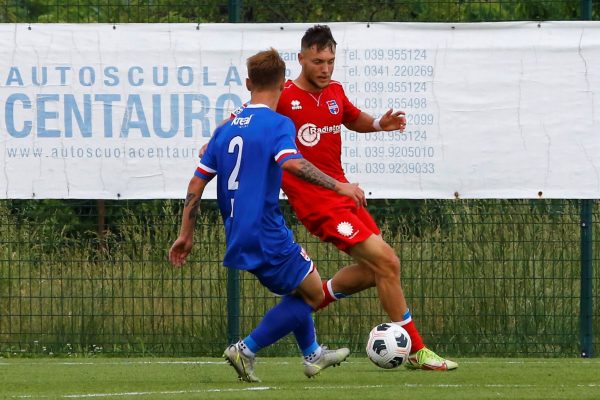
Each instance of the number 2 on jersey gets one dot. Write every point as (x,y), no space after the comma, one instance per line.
(232,182)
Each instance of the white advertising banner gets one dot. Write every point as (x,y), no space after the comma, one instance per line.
(494,110)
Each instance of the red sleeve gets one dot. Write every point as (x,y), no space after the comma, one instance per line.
(351,112)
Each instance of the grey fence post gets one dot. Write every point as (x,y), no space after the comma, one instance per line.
(586,10)
(234,10)
(233,275)
(585,301)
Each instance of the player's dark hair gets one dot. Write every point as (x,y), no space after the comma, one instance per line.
(319,35)
(266,69)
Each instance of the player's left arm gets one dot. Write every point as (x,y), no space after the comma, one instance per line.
(390,121)
(306,170)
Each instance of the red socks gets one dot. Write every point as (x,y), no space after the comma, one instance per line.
(407,323)
(415,337)
(328,297)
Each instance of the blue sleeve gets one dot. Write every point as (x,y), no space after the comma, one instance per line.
(207,165)
(284,147)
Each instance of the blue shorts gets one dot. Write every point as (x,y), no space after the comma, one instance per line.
(285,276)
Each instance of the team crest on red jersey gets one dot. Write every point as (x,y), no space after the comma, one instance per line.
(333,107)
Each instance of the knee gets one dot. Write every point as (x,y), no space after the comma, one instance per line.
(315,298)
(319,297)
(388,266)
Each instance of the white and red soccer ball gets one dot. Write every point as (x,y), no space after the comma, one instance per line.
(388,345)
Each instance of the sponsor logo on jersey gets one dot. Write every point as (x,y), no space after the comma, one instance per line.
(242,122)
(345,229)
(333,107)
(309,134)
(296,105)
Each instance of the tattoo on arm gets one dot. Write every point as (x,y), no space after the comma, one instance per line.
(188,199)
(195,205)
(312,174)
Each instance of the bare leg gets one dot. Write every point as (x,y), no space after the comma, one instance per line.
(352,279)
(378,257)
(377,264)
(311,289)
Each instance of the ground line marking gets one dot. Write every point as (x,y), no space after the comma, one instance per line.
(262,388)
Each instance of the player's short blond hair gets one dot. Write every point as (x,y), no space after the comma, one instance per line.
(266,69)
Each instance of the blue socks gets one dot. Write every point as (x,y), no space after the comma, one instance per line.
(292,314)
(306,336)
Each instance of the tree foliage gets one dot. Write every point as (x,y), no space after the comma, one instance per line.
(156,11)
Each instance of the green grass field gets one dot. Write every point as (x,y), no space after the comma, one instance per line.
(169,378)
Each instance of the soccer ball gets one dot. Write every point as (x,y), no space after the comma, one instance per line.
(388,345)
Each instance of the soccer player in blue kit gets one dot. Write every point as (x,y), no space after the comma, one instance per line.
(248,154)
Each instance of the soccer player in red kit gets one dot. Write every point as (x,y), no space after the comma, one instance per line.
(319,107)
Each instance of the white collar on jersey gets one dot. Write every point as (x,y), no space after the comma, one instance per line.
(258,105)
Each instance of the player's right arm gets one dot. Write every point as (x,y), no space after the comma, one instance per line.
(182,247)
(205,171)
(306,170)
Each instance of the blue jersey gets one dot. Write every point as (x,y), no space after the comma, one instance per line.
(246,154)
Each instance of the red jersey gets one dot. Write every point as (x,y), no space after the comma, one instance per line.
(318,118)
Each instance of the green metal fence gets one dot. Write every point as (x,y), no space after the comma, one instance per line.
(485,277)
(493,277)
